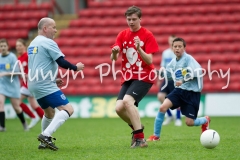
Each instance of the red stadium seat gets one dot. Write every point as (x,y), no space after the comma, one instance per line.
(46,6)
(67,32)
(208,87)
(8,7)
(233,87)
(21,7)
(33,6)
(12,43)
(38,15)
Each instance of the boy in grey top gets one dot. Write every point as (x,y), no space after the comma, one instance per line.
(9,85)
(44,57)
(186,73)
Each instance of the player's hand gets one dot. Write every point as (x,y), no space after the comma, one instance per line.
(80,66)
(137,42)
(59,82)
(179,83)
(115,50)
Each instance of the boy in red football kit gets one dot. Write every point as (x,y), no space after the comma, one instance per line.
(137,46)
(23,58)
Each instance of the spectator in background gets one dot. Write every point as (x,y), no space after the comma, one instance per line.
(23,58)
(44,56)
(137,46)
(167,56)
(9,88)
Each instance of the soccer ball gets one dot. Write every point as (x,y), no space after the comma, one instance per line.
(210,138)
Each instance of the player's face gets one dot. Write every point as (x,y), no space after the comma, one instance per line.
(4,48)
(20,48)
(133,22)
(51,30)
(178,48)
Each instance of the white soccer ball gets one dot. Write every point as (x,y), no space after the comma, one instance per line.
(210,138)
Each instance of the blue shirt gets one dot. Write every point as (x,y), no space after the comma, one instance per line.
(188,70)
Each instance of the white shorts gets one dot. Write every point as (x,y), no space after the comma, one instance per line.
(25,92)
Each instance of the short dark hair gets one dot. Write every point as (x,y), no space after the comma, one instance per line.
(22,41)
(179,39)
(133,10)
(4,41)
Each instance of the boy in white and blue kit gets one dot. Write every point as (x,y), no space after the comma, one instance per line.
(187,75)
(167,56)
(44,57)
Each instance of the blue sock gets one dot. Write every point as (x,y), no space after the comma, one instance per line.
(169,113)
(158,123)
(178,114)
(200,121)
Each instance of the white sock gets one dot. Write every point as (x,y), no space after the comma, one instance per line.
(57,121)
(45,122)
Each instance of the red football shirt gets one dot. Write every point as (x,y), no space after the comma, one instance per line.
(24,61)
(133,66)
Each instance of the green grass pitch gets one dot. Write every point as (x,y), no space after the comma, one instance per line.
(109,139)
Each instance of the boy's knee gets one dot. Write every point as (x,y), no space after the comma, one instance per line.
(70,109)
(189,122)
(119,108)
(163,109)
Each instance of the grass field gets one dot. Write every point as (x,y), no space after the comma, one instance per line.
(101,139)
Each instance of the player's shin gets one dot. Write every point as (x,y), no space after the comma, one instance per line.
(200,121)
(45,122)
(158,123)
(57,121)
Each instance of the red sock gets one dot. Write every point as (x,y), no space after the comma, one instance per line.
(139,135)
(27,110)
(40,112)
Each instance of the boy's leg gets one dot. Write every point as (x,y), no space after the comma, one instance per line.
(191,111)
(2,113)
(136,91)
(204,121)
(37,108)
(164,91)
(134,117)
(178,121)
(159,120)
(172,100)
(24,94)
(161,97)
(16,105)
(169,118)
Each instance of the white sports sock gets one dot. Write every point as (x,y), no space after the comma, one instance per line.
(45,122)
(57,121)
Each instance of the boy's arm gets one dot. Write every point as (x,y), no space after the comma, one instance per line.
(115,52)
(11,74)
